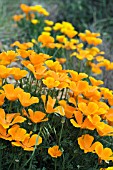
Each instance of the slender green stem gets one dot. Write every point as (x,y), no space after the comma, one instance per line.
(61,134)
(63,163)
(36,86)
(62,94)
(1,159)
(21,84)
(75,154)
(32,155)
(10,106)
(55,164)
(55,52)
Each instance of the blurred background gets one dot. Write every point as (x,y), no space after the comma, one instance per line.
(95,15)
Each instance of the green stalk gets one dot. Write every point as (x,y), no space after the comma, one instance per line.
(32,155)
(55,164)
(61,133)
(10,106)
(1,159)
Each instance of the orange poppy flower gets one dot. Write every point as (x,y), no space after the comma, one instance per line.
(95,119)
(40,71)
(93,93)
(54,151)
(61,60)
(2,96)
(25,8)
(11,93)
(109,115)
(85,143)
(73,101)
(88,109)
(49,104)
(104,129)
(62,77)
(63,85)
(55,66)
(99,58)
(46,40)
(17,133)
(4,71)
(28,65)
(77,77)
(90,37)
(35,117)
(106,93)
(103,153)
(23,46)
(81,122)
(29,142)
(26,99)
(95,82)
(69,110)
(61,38)
(18,17)
(95,68)
(7,120)
(4,134)
(51,82)
(79,87)
(82,99)
(7,57)
(70,33)
(23,53)
(18,73)
(59,110)
(37,59)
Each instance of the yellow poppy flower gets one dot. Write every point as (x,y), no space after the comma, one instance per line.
(48,22)
(47,29)
(35,21)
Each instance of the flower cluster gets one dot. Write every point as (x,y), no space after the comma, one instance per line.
(84,103)
(45,93)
